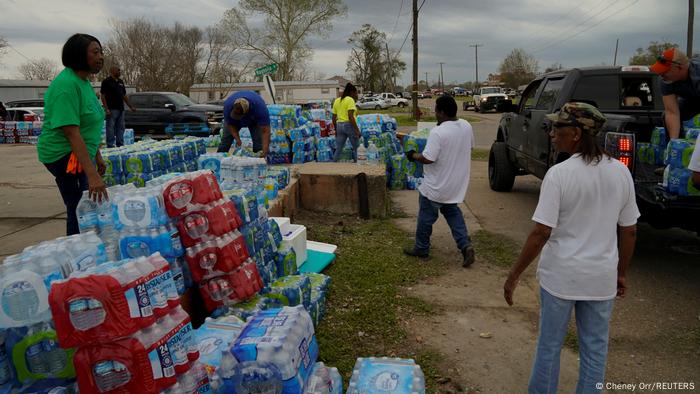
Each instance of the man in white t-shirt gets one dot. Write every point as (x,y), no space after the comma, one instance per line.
(447,160)
(695,165)
(587,204)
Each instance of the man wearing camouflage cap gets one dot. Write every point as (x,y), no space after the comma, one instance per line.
(585,203)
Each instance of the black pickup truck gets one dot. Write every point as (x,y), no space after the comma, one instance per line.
(161,113)
(630,99)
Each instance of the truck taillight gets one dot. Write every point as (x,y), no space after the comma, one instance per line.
(622,147)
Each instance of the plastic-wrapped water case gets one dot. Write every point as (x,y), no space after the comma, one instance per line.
(233,287)
(386,375)
(276,344)
(291,290)
(324,380)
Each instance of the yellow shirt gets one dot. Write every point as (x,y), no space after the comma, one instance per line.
(342,106)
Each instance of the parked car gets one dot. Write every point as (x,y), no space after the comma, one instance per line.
(33,103)
(427,94)
(372,103)
(19,114)
(488,98)
(523,145)
(155,111)
(392,100)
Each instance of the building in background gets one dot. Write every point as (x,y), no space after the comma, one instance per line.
(287,92)
(21,89)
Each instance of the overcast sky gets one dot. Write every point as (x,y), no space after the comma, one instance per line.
(570,32)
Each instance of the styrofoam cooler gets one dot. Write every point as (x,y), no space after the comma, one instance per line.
(293,235)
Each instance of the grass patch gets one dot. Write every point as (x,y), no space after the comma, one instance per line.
(495,248)
(365,306)
(479,154)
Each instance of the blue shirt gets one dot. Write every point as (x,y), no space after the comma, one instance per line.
(257,113)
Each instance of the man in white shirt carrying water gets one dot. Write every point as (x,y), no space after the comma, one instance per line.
(447,160)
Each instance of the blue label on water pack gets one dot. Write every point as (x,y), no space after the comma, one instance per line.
(139,302)
(161,362)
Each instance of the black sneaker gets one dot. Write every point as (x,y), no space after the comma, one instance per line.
(468,255)
(415,253)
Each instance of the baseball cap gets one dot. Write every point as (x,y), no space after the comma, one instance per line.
(244,104)
(667,58)
(582,115)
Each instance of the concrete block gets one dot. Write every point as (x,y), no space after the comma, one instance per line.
(333,187)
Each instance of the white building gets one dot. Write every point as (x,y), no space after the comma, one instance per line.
(20,89)
(287,92)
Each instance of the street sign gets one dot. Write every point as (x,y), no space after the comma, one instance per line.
(269,69)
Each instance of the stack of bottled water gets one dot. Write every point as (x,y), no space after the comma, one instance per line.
(397,169)
(26,330)
(677,176)
(284,116)
(322,117)
(20,132)
(275,352)
(279,147)
(243,173)
(303,143)
(319,284)
(415,141)
(291,290)
(385,123)
(214,338)
(212,162)
(325,150)
(129,137)
(375,375)
(145,160)
(131,333)
(217,254)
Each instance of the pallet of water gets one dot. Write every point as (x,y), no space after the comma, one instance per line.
(677,176)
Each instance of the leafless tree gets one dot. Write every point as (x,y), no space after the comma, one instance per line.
(154,57)
(518,68)
(224,62)
(286,25)
(3,46)
(39,69)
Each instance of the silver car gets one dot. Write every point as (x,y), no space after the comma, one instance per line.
(372,103)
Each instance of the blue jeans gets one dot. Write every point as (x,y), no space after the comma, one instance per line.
(71,187)
(428,215)
(115,128)
(345,131)
(592,323)
(227,139)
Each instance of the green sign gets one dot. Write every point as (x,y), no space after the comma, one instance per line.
(269,69)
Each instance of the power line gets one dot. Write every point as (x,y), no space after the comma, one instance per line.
(18,52)
(551,28)
(397,22)
(588,28)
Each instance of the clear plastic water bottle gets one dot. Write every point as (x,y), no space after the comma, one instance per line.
(54,357)
(87,213)
(372,153)
(34,356)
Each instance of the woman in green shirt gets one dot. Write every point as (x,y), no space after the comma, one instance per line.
(73,118)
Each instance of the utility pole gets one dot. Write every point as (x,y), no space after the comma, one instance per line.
(691,14)
(391,69)
(617,42)
(414,93)
(427,86)
(476,59)
(442,79)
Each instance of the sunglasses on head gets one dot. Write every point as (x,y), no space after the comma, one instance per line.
(665,61)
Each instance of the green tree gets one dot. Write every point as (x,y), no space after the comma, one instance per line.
(369,62)
(287,25)
(518,68)
(646,57)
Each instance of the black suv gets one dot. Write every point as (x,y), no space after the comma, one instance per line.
(172,113)
(629,97)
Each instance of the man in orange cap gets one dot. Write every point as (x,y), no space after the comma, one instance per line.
(680,88)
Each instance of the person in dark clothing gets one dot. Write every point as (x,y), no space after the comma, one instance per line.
(246,109)
(113,97)
(680,88)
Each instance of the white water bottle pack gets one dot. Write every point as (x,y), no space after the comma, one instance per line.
(25,279)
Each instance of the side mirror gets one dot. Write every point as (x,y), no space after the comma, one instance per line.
(506,106)
(170,107)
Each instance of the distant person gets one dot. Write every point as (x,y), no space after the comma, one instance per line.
(246,109)
(113,94)
(344,111)
(3,111)
(585,229)
(446,171)
(680,88)
(72,131)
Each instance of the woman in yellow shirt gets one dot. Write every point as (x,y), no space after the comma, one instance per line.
(345,124)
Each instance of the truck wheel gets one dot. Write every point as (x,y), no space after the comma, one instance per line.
(377,107)
(401,105)
(501,171)
(476,109)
